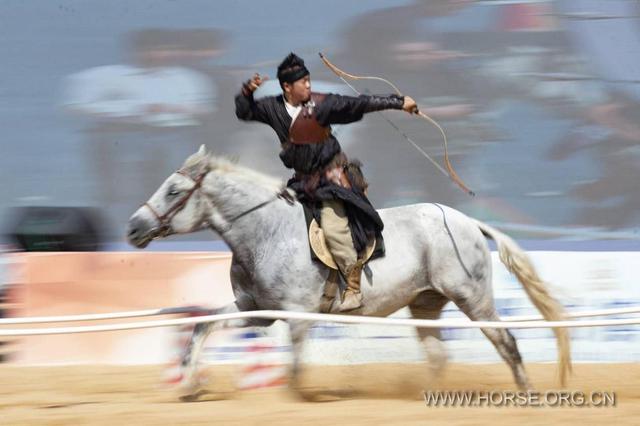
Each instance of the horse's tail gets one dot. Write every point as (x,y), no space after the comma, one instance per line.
(518,263)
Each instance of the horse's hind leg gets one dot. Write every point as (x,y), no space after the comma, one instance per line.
(428,305)
(475,299)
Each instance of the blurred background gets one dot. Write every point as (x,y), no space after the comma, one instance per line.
(100,101)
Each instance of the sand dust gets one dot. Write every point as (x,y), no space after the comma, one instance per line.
(374,394)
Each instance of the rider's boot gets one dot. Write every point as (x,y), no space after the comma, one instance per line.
(352,298)
(330,291)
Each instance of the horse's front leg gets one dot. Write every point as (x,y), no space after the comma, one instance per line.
(189,383)
(298,330)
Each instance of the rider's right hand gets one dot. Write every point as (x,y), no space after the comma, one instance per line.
(255,82)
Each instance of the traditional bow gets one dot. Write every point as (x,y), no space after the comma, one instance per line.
(449,172)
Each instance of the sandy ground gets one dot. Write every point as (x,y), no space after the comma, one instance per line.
(362,395)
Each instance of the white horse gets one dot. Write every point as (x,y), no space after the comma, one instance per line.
(434,254)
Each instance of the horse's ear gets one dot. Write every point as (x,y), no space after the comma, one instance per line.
(203,150)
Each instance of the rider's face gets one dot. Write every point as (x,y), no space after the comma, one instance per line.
(299,91)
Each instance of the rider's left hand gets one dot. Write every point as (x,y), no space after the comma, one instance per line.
(410,105)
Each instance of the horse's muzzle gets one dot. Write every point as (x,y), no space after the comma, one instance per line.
(140,233)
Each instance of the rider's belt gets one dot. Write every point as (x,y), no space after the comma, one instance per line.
(305,129)
(335,171)
(338,176)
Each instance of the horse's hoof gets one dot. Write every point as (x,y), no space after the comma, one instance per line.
(192,397)
(325,397)
(321,395)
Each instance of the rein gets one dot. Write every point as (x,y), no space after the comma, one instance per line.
(164,221)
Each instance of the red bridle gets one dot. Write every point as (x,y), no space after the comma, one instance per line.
(164,221)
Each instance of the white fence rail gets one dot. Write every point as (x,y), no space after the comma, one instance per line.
(347,319)
(179,310)
(93,317)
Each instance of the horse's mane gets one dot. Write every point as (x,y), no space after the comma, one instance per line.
(225,165)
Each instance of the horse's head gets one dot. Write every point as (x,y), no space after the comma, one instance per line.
(177,207)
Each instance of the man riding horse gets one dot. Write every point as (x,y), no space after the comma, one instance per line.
(324,179)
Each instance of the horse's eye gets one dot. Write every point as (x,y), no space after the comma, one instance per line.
(173,192)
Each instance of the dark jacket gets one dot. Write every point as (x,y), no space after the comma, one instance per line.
(310,160)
